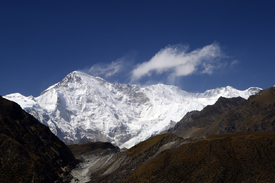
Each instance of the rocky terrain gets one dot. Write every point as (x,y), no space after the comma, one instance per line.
(29,151)
(103,162)
(92,156)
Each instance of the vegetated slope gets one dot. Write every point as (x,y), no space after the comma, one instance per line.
(29,152)
(82,106)
(236,157)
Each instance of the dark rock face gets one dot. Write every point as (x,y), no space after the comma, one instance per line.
(197,124)
(255,114)
(29,152)
(230,115)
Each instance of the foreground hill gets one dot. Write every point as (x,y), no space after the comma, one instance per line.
(82,106)
(236,157)
(29,151)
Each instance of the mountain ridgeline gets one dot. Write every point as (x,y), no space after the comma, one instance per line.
(29,151)
(230,115)
(197,124)
(86,107)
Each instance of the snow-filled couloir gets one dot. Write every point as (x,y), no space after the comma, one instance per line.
(85,106)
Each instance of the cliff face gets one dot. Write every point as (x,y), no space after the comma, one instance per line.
(29,152)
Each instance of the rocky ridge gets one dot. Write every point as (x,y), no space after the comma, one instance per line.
(230,115)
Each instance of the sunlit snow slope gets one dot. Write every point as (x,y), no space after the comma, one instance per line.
(85,106)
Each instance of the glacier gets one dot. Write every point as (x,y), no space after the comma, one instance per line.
(87,107)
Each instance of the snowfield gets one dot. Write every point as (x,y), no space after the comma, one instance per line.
(85,106)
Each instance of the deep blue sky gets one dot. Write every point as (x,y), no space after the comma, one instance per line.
(41,41)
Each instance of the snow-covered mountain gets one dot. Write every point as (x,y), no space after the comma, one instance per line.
(83,106)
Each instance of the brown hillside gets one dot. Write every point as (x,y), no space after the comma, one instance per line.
(197,124)
(255,114)
(237,157)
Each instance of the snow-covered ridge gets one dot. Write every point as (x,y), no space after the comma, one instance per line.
(24,102)
(85,106)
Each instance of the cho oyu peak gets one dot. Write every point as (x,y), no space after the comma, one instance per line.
(84,106)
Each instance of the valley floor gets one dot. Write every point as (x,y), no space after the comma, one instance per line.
(82,173)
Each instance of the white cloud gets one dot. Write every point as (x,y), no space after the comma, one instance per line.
(107,70)
(178,62)
(233,63)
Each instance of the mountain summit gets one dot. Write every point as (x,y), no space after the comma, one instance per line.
(83,106)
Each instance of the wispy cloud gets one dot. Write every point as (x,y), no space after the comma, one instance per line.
(166,66)
(179,62)
(233,63)
(107,70)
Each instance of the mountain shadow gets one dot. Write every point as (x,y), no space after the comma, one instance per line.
(29,152)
